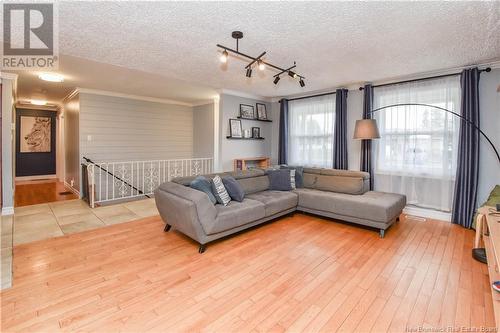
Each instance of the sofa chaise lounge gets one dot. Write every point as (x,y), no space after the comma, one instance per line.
(339,194)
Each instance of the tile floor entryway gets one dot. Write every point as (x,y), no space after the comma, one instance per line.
(37,222)
(42,221)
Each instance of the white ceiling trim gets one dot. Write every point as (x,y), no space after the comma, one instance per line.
(136,97)
(355,86)
(244,95)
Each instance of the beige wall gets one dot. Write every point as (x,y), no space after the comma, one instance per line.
(123,129)
(8,150)
(203,130)
(71,115)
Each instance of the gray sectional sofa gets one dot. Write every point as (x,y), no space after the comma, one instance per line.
(338,194)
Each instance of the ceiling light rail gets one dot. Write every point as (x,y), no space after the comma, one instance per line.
(260,62)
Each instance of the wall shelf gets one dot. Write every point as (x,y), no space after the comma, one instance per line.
(236,138)
(255,119)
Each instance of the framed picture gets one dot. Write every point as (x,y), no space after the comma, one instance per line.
(247,111)
(35,134)
(235,128)
(255,132)
(261,111)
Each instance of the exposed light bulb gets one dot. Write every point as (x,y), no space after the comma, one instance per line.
(262,66)
(223,57)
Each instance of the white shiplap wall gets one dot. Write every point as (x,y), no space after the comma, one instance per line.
(123,129)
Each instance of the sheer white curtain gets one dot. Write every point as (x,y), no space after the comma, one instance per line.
(310,131)
(417,152)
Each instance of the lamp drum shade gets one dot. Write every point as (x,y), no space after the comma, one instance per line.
(366,129)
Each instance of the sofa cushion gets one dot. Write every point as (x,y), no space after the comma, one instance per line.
(202,184)
(340,184)
(275,201)
(279,180)
(236,214)
(376,206)
(254,184)
(334,180)
(234,188)
(188,179)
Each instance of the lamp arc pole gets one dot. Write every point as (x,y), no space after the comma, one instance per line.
(445,110)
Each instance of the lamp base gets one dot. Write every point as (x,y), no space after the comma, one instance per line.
(480,255)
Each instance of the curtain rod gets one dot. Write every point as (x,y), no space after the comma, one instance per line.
(487,70)
(304,97)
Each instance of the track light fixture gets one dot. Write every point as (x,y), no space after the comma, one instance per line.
(261,64)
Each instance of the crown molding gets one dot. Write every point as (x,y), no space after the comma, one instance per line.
(494,64)
(12,77)
(205,102)
(128,96)
(244,95)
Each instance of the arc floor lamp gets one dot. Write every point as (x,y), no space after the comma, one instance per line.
(367,129)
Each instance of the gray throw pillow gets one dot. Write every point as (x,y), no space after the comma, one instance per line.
(299,174)
(279,180)
(219,191)
(234,188)
(202,184)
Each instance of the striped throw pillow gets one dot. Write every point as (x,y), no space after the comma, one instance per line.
(292,179)
(220,191)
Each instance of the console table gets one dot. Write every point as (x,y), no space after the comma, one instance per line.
(240,164)
(489,226)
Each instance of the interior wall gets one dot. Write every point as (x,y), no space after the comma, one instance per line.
(122,129)
(8,150)
(71,117)
(489,103)
(354,112)
(203,130)
(230,149)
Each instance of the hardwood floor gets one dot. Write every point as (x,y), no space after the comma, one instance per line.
(38,192)
(301,273)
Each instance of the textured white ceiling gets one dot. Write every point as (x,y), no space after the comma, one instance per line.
(333,43)
(83,73)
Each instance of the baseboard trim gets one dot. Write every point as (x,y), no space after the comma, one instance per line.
(74,190)
(41,177)
(427,213)
(7,210)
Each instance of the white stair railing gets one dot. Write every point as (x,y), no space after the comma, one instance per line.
(110,181)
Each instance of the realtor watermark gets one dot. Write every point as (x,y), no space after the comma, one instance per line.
(30,36)
(450,329)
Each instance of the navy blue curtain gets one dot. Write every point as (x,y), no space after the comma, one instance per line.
(283,133)
(340,133)
(366,163)
(466,180)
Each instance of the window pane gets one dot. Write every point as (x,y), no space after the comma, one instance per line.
(310,131)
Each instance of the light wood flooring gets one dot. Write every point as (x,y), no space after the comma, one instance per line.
(41,191)
(300,273)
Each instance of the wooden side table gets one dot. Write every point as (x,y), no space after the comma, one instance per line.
(488,228)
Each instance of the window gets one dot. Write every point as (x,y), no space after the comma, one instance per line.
(310,131)
(417,152)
